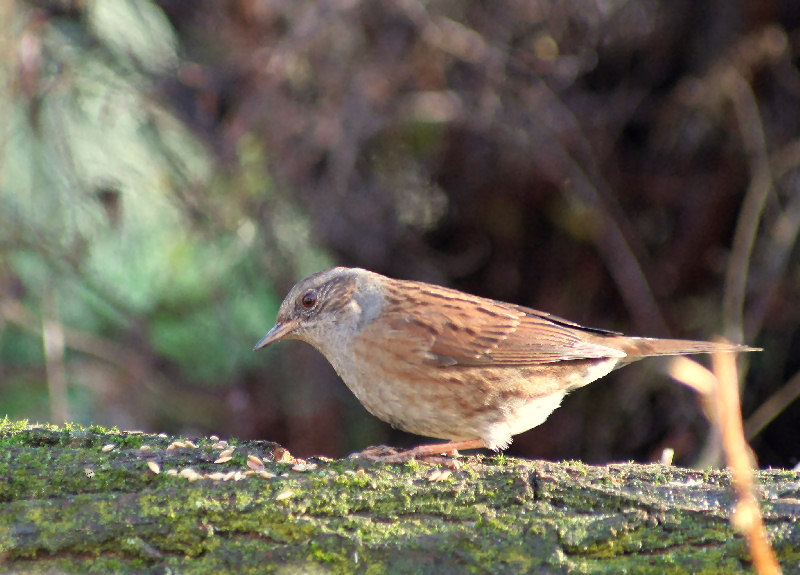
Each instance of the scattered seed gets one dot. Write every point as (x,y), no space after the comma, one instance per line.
(108,447)
(266,474)
(220,445)
(254,462)
(190,474)
(191,444)
(285,494)
(225,459)
(227,453)
(214,438)
(144,448)
(172,472)
(176,445)
(162,435)
(300,467)
(154,467)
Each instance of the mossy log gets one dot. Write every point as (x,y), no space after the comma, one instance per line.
(89,500)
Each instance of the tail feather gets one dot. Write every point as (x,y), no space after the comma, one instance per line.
(639,347)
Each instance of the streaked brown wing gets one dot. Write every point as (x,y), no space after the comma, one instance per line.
(558,320)
(451,328)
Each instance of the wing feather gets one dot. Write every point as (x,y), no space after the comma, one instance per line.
(449,328)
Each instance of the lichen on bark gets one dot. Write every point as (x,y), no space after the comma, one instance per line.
(80,499)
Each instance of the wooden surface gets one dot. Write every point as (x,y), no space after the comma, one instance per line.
(88,500)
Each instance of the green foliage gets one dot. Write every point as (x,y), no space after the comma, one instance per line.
(113,221)
(138,33)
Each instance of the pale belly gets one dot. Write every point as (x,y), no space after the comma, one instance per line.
(462,403)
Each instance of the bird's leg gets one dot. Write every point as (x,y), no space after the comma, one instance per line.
(384,454)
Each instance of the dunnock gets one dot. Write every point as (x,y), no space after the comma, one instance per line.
(442,363)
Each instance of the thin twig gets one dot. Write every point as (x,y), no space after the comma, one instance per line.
(581,180)
(754,141)
(55,366)
(780,241)
(772,407)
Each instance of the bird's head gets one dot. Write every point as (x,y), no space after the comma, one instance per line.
(327,308)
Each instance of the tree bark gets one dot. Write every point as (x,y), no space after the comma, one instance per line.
(89,499)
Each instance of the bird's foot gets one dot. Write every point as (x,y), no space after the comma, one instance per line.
(437,453)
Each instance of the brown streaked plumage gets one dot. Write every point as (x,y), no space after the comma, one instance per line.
(442,363)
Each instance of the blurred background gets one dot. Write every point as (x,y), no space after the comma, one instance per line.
(169,169)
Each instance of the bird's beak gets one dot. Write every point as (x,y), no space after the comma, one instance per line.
(277,333)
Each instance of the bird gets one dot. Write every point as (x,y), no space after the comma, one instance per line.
(445,364)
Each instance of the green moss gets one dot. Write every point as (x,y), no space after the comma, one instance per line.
(498,459)
(65,499)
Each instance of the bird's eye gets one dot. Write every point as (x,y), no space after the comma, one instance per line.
(309,300)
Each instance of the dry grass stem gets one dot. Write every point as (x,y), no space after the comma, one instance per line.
(722,389)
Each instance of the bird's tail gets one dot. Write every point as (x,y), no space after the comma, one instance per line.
(639,347)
